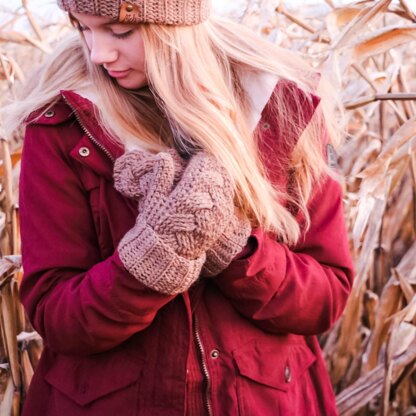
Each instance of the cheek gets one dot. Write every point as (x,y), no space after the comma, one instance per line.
(137,54)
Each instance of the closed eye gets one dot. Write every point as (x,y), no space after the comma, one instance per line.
(123,35)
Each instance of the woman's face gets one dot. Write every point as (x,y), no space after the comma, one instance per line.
(117,47)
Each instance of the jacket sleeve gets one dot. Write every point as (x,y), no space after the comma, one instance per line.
(78,303)
(303,289)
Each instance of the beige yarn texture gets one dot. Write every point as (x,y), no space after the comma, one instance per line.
(169,12)
(231,242)
(176,224)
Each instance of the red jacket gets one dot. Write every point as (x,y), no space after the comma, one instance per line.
(114,347)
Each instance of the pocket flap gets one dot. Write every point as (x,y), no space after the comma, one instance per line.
(273,366)
(85,379)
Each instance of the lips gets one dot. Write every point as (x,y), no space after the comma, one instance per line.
(118,74)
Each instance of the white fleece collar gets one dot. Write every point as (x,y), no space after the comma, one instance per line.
(259,88)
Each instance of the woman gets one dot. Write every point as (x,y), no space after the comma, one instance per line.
(183,239)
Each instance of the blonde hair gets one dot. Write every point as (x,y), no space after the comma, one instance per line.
(196,101)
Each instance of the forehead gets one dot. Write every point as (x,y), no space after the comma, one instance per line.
(94,21)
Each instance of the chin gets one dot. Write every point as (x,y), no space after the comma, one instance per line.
(132,84)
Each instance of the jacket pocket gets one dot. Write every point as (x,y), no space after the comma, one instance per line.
(104,384)
(273,379)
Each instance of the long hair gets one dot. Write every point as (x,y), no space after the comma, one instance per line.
(195,100)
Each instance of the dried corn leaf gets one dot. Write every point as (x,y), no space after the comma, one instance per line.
(382,41)
(16,403)
(407,264)
(367,387)
(371,148)
(401,338)
(347,339)
(2,222)
(8,265)
(370,304)
(33,22)
(407,314)
(19,311)
(6,405)
(7,172)
(24,39)
(9,69)
(339,17)
(404,151)
(366,207)
(388,305)
(408,13)
(8,321)
(359,23)
(405,285)
(402,136)
(27,369)
(372,223)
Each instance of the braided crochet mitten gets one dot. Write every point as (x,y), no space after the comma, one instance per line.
(166,248)
(230,243)
(133,171)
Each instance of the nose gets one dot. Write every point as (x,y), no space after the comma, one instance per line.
(102,51)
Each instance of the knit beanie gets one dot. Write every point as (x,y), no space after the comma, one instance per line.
(167,12)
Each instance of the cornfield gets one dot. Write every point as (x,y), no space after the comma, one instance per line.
(366,49)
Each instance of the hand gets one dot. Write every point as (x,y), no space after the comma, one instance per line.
(230,243)
(194,214)
(177,226)
(134,170)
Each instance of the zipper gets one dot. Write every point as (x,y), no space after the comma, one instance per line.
(204,367)
(87,132)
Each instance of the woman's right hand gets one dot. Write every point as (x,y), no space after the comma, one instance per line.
(134,171)
(176,225)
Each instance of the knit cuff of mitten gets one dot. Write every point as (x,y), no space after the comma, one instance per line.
(231,242)
(155,264)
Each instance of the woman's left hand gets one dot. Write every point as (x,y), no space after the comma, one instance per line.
(231,242)
(131,172)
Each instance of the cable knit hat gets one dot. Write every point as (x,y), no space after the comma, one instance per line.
(168,12)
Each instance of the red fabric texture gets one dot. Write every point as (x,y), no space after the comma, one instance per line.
(115,347)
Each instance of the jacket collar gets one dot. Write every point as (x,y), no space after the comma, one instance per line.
(259,87)
(86,114)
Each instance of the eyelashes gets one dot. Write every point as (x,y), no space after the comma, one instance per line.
(123,35)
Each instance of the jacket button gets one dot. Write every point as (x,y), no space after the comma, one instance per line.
(49,113)
(215,354)
(84,151)
(266,126)
(288,374)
